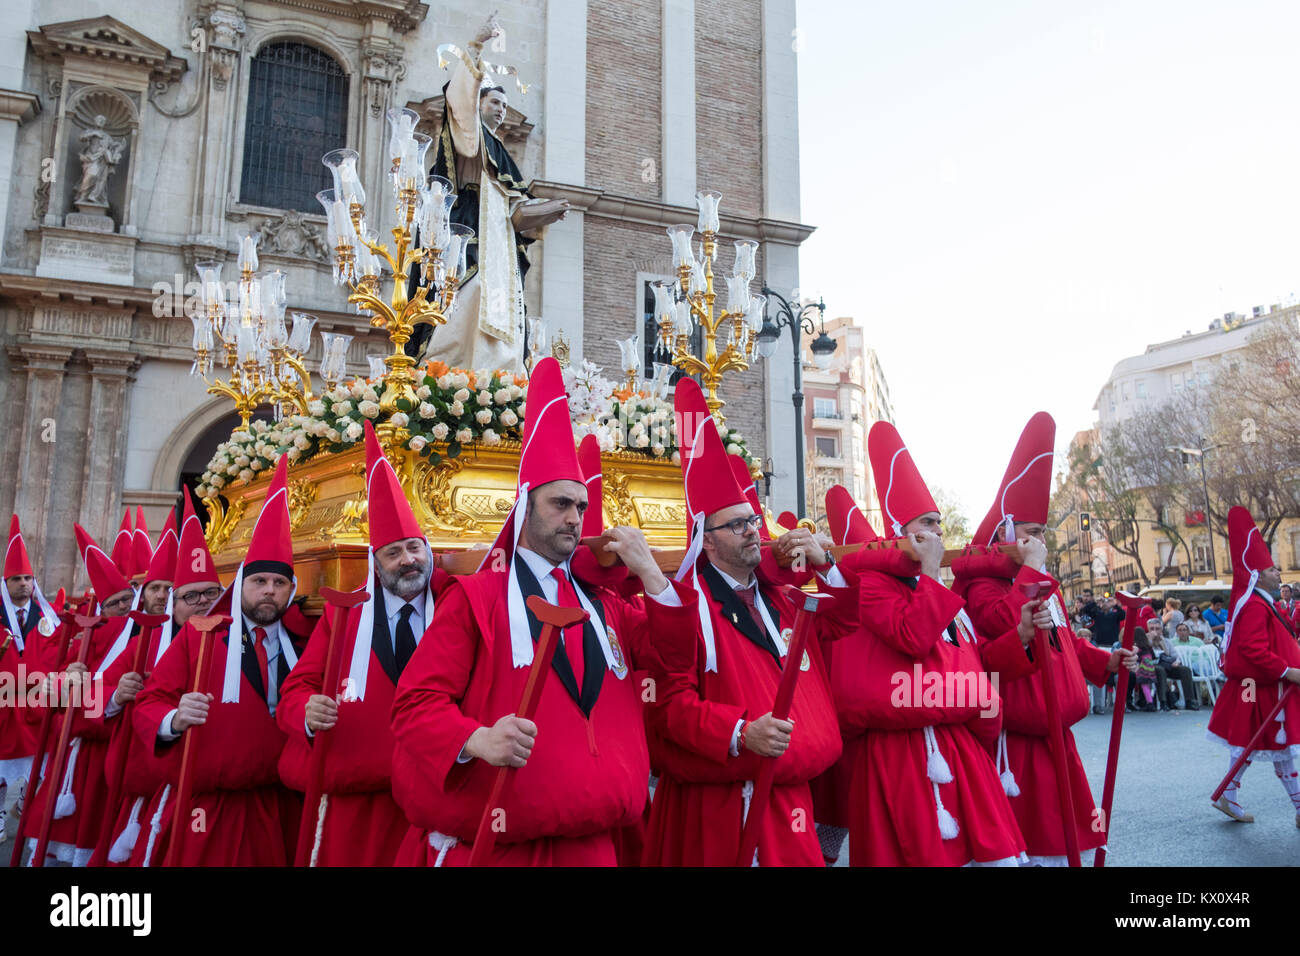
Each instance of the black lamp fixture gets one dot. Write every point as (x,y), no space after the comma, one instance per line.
(798,320)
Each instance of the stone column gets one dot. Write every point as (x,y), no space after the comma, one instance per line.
(678,103)
(565,162)
(37,446)
(212,183)
(111,375)
(382,66)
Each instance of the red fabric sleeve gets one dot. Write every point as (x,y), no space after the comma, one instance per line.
(993,564)
(305,679)
(427,720)
(167,683)
(1250,641)
(909,626)
(1093,660)
(842,616)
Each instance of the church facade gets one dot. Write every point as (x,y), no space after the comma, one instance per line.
(138,138)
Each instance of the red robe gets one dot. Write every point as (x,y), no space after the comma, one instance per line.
(363,825)
(73,837)
(143,774)
(1291,614)
(994,602)
(586,777)
(17,735)
(700,804)
(881,672)
(247,818)
(1260,650)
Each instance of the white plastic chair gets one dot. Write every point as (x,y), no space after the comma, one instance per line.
(1203,662)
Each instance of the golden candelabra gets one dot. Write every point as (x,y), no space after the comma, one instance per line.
(689,304)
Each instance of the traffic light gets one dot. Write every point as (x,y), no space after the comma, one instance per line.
(1085,522)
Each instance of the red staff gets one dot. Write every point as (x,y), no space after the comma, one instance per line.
(1132,604)
(185,781)
(43,739)
(53,778)
(117,772)
(807,605)
(552,617)
(315,802)
(1055,733)
(1253,745)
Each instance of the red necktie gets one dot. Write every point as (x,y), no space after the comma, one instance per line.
(259,635)
(746,596)
(573,635)
(22,617)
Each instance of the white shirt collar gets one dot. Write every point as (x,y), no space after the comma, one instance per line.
(539,565)
(732,582)
(393,604)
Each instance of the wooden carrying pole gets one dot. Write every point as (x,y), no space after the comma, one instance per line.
(42,741)
(1131,604)
(59,760)
(313,810)
(185,780)
(554,619)
(807,605)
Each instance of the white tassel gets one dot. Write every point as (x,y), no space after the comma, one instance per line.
(1281,720)
(947,825)
(66,805)
(936,768)
(1007,778)
(1009,785)
(442,843)
(120,852)
(320,827)
(155,825)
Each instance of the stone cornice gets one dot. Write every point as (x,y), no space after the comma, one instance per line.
(597,202)
(105,38)
(403,15)
(19,105)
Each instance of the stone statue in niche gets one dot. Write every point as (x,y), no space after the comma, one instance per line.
(100,154)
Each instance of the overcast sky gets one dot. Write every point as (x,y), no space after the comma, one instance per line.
(1012,196)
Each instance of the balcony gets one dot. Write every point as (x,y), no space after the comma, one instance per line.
(832,420)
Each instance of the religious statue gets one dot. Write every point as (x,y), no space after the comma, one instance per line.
(100,154)
(485,328)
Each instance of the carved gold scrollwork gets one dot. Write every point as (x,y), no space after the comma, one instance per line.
(433,488)
(302,495)
(221,522)
(352,524)
(616,499)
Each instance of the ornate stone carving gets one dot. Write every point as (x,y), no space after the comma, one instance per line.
(302,495)
(293,235)
(228,29)
(223,66)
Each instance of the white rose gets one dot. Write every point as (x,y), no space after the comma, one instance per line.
(418,443)
(440,431)
(641,442)
(509,418)
(400,420)
(658,450)
(232,469)
(456,409)
(484,398)
(302,443)
(423,392)
(460,380)
(353,431)
(483,416)
(245,475)
(218,481)
(462,395)
(294,454)
(257,464)
(444,382)
(677,458)
(316,408)
(426,410)
(356,390)
(464,435)
(369,409)
(523,409)
(370,395)
(332,435)
(490,437)
(502,396)
(207,476)
(342,408)
(733,449)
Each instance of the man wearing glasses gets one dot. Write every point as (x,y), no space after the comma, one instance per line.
(711,726)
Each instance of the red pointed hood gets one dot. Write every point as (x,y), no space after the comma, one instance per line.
(740,470)
(548,450)
(123,553)
(141,550)
(16,559)
(902,492)
(193,560)
(1249,552)
(593,521)
(271,547)
(848,524)
(389,513)
(105,578)
(163,562)
(1027,485)
(710,483)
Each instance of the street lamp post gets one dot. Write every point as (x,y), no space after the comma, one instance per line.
(1199,453)
(797,320)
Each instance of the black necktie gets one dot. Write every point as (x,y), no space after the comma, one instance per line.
(404,644)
